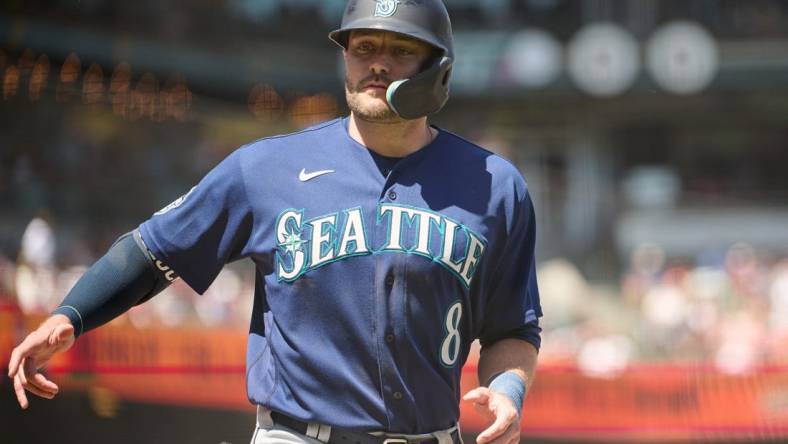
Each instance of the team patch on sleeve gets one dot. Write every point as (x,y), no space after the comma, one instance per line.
(175,204)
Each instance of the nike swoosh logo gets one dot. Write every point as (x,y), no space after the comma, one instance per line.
(303,176)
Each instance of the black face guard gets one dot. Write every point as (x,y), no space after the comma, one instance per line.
(423,94)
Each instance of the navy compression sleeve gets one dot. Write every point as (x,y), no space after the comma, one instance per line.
(126,276)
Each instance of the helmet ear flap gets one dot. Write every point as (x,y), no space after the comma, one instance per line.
(446,75)
(423,94)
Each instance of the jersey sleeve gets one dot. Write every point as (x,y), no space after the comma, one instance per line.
(512,308)
(204,229)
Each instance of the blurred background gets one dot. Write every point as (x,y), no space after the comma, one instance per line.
(653,135)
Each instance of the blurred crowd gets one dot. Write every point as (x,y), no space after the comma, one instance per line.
(727,309)
(200,20)
(36,284)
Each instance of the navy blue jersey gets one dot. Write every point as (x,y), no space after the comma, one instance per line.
(373,276)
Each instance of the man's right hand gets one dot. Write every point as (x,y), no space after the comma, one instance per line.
(55,335)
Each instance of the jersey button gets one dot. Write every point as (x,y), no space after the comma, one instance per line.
(397,395)
(389,280)
(392,195)
(389,338)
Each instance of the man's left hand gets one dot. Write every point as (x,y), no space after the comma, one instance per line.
(498,409)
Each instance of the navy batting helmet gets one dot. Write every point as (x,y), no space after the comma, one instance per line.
(426,20)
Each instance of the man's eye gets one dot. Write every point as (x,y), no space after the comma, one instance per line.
(403,51)
(364,47)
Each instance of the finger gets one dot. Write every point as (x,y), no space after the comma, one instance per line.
(21,373)
(510,436)
(20,352)
(481,402)
(38,382)
(31,379)
(484,411)
(27,374)
(28,368)
(20,392)
(45,384)
(478,395)
(15,360)
(37,391)
(502,422)
(13,363)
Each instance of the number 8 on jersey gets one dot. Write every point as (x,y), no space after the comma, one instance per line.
(450,349)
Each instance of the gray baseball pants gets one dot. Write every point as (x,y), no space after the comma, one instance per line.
(267,432)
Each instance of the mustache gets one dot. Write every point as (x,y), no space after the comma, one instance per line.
(370,78)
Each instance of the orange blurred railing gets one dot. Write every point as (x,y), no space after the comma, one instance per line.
(658,402)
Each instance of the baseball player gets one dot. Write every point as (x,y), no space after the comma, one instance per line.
(383,247)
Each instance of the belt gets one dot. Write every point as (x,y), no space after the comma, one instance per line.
(333,435)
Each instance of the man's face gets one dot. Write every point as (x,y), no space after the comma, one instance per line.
(374,59)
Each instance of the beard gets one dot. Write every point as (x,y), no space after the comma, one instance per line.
(376,112)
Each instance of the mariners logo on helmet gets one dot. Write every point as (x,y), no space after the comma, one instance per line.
(386,8)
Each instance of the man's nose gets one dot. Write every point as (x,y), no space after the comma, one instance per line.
(381,65)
